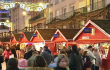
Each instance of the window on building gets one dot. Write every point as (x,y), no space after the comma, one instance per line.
(56,1)
(51,16)
(57,13)
(82,23)
(72,8)
(64,13)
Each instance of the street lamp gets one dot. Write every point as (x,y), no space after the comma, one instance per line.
(24,13)
(7,21)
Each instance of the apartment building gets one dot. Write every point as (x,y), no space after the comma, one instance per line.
(19,16)
(39,17)
(64,9)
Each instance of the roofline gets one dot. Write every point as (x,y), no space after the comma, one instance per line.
(60,33)
(38,33)
(90,22)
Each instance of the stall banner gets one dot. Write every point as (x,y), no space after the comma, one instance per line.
(34,35)
(21,36)
(55,35)
(87,30)
(11,38)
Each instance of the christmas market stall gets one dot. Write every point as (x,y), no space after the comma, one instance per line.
(64,37)
(42,37)
(15,38)
(25,40)
(97,34)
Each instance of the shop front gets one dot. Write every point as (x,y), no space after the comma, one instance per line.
(97,34)
(42,37)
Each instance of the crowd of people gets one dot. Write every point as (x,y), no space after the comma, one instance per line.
(70,58)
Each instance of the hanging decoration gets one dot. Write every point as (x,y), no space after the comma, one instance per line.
(28,6)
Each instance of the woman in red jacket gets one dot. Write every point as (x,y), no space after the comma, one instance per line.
(7,53)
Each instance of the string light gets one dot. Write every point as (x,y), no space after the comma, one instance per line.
(24,5)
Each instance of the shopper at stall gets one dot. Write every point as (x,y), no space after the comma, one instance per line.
(30,52)
(62,63)
(7,53)
(1,58)
(92,57)
(26,48)
(13,50)
(68,51)
(46,54)
(98,59)
(75,60)
(18,51)
(87,61)
(12,64)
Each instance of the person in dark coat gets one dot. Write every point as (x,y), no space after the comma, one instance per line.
(12,64)
(1,58)
(47,55)
(13,50)
(75,61)
(68,51)
(30,52)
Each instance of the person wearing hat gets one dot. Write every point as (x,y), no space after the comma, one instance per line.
(1,58)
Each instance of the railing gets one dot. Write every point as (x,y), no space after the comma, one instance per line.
(37,17)
(83,10)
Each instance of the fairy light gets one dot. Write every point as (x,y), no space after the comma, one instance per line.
(24,5)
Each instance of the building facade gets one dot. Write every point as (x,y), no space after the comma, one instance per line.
(71,13)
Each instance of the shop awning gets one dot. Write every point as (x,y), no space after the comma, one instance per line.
(92,41)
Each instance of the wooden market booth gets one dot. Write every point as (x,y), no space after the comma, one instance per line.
(25,40)
(42,37)
(95,32)
(15,38)
(64,37)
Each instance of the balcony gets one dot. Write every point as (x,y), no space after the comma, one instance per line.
(37,17)
(83,10)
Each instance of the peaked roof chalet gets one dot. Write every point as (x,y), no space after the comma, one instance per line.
(69,33)
(28,35)
(46,33)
